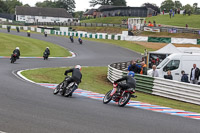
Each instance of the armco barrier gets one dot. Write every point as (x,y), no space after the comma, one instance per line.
(177,90)
(185,92)
(143,84)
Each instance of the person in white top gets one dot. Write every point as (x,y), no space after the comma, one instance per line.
(155,72)
(194,75)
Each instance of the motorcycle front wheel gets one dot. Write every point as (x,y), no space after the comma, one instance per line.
(107,98)
(57,89)
(124,99)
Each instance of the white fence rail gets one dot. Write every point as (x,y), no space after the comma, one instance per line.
(185,92)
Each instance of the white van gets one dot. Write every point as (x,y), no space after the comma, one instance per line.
(176,63)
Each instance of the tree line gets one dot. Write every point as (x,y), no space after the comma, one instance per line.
(8,6)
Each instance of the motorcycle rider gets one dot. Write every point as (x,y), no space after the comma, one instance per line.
(79,39)
(46,52)
(71,38)
(17,51)
(76,75)
(130,82)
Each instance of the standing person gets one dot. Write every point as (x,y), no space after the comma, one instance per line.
(184,77)
(134,67)
(169,75)
(155,72)
(143,68)
(186,26)
(194,75)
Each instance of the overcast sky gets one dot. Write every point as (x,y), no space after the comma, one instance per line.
(82,5)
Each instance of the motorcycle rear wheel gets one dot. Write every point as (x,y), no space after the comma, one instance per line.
(124,100)
(107,98)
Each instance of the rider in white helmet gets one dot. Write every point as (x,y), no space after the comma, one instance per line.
(17,52)
(76,75)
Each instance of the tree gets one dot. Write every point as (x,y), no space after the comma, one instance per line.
(69,5)
(177,4)
(118,2)
(3,6)
(108,2)
(188,7)
(167,5)
(195,6)
(11,4)
(152,6)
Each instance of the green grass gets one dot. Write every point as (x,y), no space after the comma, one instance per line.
(179,20)
(124,44)
(106,20)
(94,79)
(28,47)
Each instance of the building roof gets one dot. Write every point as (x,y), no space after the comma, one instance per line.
(47,12)
(90,12)
(110,8)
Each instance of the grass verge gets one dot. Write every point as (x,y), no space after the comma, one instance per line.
(94,79)
(29,47)
(124,44)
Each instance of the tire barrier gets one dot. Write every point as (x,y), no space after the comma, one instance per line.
(176,90)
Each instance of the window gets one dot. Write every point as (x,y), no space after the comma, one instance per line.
(172,65)
(162,63)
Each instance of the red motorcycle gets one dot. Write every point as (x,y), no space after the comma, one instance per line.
(119,95)
(13,58)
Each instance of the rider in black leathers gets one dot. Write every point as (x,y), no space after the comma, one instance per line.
(17,51)
(76,75)
(130,81)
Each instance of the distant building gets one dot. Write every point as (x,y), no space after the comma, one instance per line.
(109,10)
(90,13)
(38,14)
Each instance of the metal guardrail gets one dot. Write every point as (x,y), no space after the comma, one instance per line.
(185,92)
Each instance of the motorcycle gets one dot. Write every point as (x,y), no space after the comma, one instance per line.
(28,34)
(80,41)
(65,91)
(45,34)
(122,97)
(45,56)
(13,57)
(72,40)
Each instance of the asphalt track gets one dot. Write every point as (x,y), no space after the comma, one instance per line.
(30,108)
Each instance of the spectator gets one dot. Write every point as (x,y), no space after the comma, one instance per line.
(184,77)
(169,75)
(143,68)
(194,75)
(186,26)
(134,67)
(155,72)
(154,23)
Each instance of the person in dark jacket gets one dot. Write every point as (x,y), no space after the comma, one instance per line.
(47,50)
(194,75)
(17,51)
(134,67)
(184,77)
(168,76)
(130,81)
(76,74)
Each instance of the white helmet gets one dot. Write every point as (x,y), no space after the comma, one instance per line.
(78,66)
(17,48)
(47,47)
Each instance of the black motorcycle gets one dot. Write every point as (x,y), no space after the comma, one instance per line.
(13,58)
(65,91)
(80,41)
(45,56)
(45,34)
(28,34)
(71,39)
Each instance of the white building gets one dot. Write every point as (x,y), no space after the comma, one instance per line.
(38,14)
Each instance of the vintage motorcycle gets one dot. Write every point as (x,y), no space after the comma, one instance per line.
(119,95)
(65,91)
